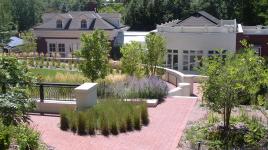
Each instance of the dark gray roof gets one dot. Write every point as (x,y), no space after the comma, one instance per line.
(209,17)
(196,21)
(72,20)
(200,18)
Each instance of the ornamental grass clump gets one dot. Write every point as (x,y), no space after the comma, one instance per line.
(91,122)
(144,114)
(108,116)
(132,87)
(150,87)
(64,120)
(137,119)
(81,124)
(113,127)
(73,122)
(104,126)
(122,126)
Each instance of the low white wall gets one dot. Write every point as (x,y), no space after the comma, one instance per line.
(86,96)
(183,82)
(54,107)
(184,89)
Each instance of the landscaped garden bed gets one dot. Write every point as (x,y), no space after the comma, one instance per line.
(247,130)
(107,117)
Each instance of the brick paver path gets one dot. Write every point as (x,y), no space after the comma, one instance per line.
(167,122)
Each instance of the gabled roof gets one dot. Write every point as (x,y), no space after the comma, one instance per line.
(200,18)
(72,20)
(196,21)
(209,17)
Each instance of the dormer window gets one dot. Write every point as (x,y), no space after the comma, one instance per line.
(83,24)
(59,24)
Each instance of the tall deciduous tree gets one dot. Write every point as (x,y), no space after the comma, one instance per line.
(155,54)
(247,12)
(26,13)
(232,79)
(29,44)
(95,50)
(146,14)
(132,55)
(6,22)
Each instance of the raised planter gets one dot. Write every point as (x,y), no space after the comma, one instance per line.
(149,102)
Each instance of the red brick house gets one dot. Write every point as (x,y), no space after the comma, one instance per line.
(255,35)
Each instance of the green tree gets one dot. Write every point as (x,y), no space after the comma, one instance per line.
(26,13)
(132,58)
(6,23)
(13,74)
(112,8)
(146,14)
(29,44)
(247,12)
(95,50)
(231,80)
(14,100)
(155,54)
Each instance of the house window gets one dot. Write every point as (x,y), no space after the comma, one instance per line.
(83,24)
(52,47)
(61,47)
(172,59)
(257,50)
(191,59)
(214,52)
(59,24)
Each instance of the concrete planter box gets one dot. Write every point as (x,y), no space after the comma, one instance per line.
(149,102)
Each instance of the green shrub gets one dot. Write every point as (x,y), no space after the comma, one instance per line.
(266,105)
(244,132)
(212,118)
(27,138)
(31,63)
(70,65)
(5,137)
(144,114)
(64,120)
(81,124)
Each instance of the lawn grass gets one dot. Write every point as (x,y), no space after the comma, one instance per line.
(50,72)
(58,76)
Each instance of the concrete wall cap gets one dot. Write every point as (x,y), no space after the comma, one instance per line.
(86,87)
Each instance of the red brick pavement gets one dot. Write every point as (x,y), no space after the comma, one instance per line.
(167,122)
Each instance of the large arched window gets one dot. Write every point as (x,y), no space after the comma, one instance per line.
(83,24)
(59,24)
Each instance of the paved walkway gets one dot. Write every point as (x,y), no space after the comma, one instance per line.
(167,122)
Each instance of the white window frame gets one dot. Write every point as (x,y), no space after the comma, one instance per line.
(52,47)
(187,64)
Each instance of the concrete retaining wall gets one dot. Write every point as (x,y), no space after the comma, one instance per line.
(183,82)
